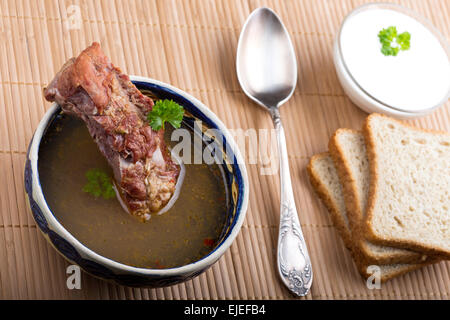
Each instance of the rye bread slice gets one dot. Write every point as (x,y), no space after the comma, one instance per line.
(324,178)
(348,151)
(409,193)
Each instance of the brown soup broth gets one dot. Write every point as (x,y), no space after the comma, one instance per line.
(186,233)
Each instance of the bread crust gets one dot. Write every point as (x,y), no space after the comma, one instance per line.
(347,180)
(354,211)
(329,203)
(373,193)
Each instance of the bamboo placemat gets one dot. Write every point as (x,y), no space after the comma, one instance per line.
(191,44)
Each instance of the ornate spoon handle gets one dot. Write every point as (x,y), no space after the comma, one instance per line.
(294,264)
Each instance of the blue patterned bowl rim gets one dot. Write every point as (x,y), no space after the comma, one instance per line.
(203,263)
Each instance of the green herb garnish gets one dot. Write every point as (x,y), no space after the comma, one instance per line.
(165,111)
(389,47)
(99,184)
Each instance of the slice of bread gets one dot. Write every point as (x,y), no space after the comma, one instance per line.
(409,196)
(348,151)
(324,178)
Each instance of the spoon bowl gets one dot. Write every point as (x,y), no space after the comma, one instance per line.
(264,41)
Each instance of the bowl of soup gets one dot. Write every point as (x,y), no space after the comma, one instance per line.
(97,234)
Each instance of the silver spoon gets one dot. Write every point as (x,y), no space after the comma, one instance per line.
(267,72)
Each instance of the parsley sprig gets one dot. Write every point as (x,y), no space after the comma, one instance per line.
(99,184)
(165,111)
(392,42)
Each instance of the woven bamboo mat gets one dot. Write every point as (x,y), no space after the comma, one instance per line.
(191,44)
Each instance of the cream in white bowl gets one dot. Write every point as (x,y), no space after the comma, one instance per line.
(410,84)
